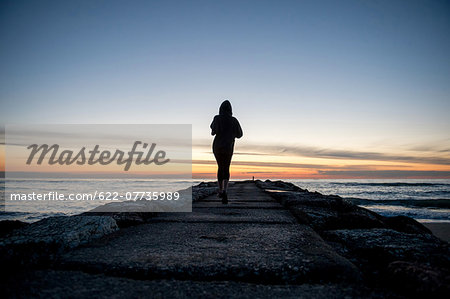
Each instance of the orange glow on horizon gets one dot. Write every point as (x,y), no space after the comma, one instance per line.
(261,167)
(262,172)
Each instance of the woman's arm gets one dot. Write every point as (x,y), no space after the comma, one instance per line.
(213,126)
(238,132)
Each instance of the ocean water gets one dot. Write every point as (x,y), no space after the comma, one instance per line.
(424,200)
(31,211)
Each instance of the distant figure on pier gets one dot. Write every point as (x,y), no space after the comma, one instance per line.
(226,128)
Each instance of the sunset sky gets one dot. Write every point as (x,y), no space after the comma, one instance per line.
(322,89)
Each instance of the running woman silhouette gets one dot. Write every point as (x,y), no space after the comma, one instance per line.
(226,128)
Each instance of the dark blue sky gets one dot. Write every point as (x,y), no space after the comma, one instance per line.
(346,74)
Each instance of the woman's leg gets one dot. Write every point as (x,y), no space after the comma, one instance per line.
(226,170)
(223,173)
(225,185)
(219,160)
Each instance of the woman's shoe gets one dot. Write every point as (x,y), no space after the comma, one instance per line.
(220,194)
(224,197)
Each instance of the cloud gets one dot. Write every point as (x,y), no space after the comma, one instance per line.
(314,152)
(386,174)
(256,172)
(427,157)
(293,165)
(250,154)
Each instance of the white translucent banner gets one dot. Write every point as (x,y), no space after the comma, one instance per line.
(101,168)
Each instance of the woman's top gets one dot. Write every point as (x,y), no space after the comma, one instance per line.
(226,128)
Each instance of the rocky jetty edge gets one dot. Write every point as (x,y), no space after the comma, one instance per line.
(396,255)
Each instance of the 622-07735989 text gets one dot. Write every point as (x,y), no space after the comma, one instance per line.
(103,196)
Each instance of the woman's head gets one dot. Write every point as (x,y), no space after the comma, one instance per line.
(225,108)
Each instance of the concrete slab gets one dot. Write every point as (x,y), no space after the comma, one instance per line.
(263,253)
(248,191)
(228,215)
(76,284)
(237,205)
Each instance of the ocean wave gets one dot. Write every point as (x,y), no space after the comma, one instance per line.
(27,216)
(442,203)
(395,184)
(428,214)
(431,195)
(29,181)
